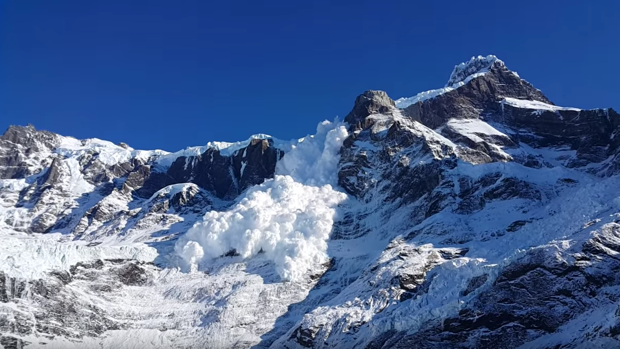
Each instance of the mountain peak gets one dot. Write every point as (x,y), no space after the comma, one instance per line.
(474,67)
(369,102)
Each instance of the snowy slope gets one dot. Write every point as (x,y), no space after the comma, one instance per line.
(465,217)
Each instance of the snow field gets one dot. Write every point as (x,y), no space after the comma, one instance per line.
(32,256)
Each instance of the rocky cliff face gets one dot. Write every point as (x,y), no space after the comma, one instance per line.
(72,185)
(228,176)
(479,215)
(471,169)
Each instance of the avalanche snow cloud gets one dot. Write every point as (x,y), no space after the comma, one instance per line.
(288,218)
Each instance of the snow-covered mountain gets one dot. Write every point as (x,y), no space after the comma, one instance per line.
(477,215)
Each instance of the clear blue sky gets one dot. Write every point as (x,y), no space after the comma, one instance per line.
(170,74)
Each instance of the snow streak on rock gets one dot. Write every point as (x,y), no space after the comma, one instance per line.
(462,74)
(289,218)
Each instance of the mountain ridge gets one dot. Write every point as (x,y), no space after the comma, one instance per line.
(477,215)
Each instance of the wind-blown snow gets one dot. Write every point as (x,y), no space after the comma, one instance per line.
(314,160)
(535,105)
(288,218)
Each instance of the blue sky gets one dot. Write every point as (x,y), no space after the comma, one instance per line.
(170,74)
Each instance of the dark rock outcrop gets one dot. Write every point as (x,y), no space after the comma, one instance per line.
(53,185)
(228,176)
(533,296)
(368,103)
(20,146)
(475,98)
(435,179)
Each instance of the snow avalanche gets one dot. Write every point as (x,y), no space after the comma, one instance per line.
(288,218)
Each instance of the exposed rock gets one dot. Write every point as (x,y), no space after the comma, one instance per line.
(477,97)
(500,221)
(55,188)
(228,176)
(368,103)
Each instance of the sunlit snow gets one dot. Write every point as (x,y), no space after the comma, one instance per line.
(461,75)
(535,105)
(288,218)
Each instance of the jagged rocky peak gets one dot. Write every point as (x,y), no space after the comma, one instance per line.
(473,67)
(475,88)
(28,136)
(18,144)
(368,103)
(499,81)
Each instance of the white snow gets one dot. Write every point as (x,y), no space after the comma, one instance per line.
(281,231)
(288,218)
(172,190)
(534,105)
(32,256)
(77,185)
(475,66)
(13,184)
(108,152)
(436,141)
(243,165)
(472,128)
(404,102)
(314,159)
(225,148)
(461,75)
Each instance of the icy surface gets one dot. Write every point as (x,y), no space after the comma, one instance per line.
(173,189)
(32,257)
(288,218)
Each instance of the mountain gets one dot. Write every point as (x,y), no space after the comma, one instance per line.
(477,215)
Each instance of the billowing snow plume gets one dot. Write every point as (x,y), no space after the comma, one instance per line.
(314,160)
(288,218)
